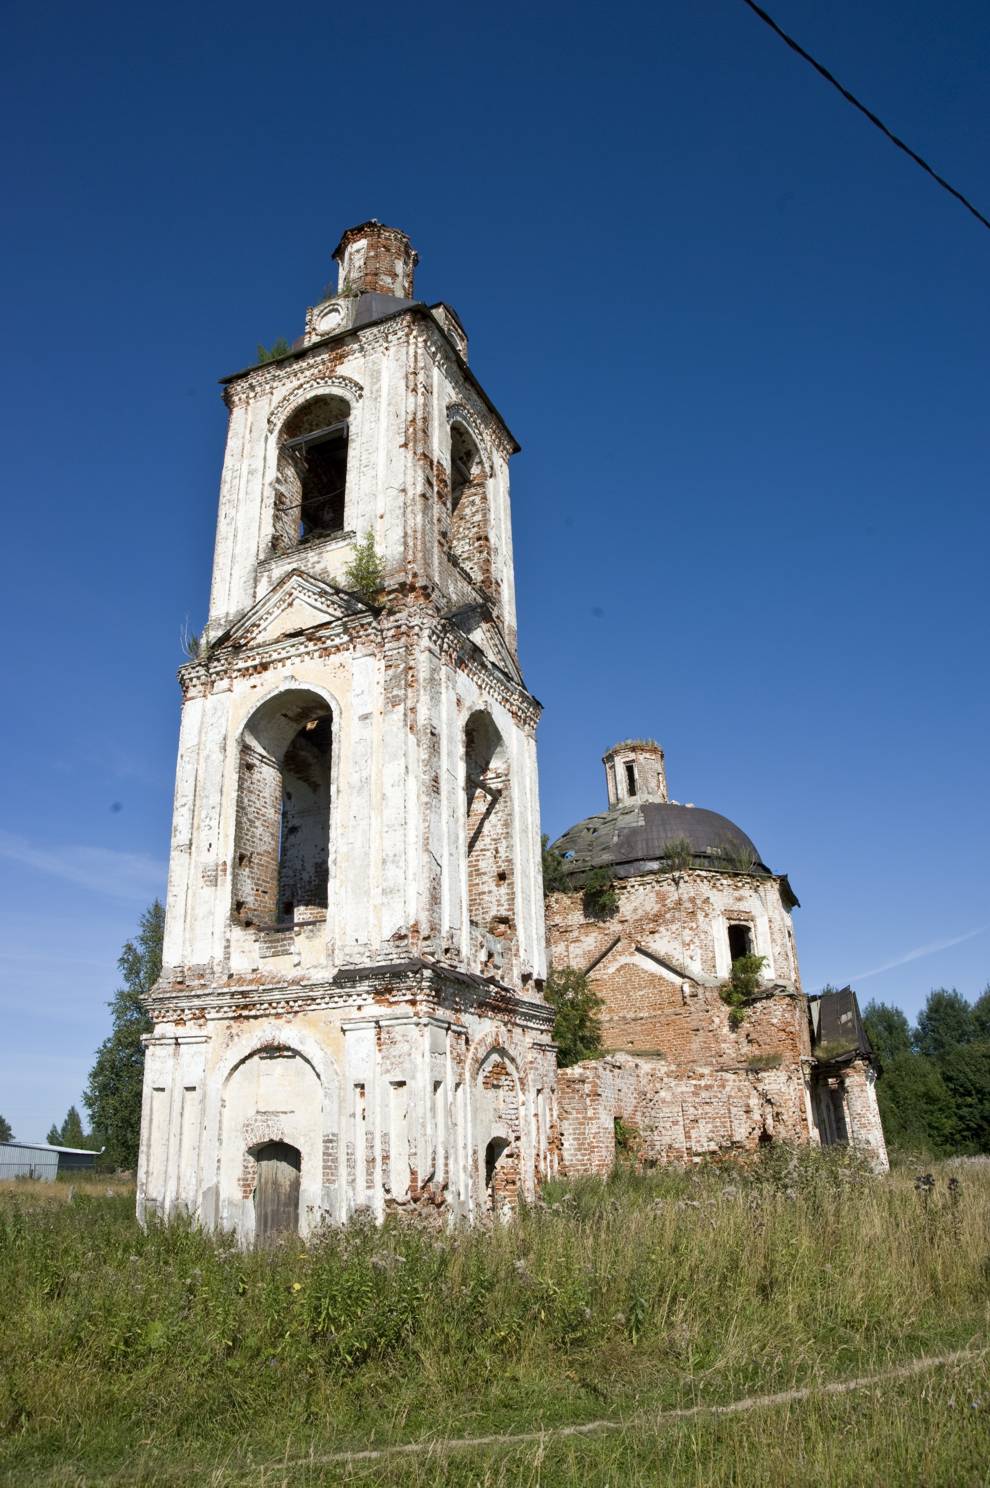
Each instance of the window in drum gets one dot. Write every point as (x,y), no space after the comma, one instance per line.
(740,941)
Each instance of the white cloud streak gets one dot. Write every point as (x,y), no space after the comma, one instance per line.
(102,870)
(918,952)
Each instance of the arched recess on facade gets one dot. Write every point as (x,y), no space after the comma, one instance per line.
(277,1091)
(284,812)
(470,503)
(488,828)
(312,456)
(497,1111)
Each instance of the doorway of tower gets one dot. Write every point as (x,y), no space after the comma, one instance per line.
(276,1193)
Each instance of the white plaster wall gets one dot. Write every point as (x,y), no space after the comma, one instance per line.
(425,1120)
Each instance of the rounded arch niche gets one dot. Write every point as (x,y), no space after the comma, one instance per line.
(498,1132)
(274,1097)
(282,832)
(488,804)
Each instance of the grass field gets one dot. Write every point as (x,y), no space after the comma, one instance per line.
(167,1357)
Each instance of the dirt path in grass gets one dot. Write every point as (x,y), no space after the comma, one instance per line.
(641,1418)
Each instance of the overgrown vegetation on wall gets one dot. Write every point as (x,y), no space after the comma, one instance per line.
(599,896)
(934,1092)
(169,1357)
(577,1029)
(743,987)
(365,574)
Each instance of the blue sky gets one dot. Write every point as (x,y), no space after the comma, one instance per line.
(741,339)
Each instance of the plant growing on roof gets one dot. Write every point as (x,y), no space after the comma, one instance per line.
(600,898)
(734,859)
(678,855)
(365,574)
(279,348)
(195,646)
(743,987)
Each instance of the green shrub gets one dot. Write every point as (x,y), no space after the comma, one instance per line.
(744,986)
(577,1030)
(600,897)
(365,574)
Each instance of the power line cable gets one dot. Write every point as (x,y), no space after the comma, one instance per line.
(829,77)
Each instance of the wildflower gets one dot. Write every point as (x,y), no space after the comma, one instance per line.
(297,1286)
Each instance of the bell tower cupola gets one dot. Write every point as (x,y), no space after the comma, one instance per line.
(375,259)
(634,771)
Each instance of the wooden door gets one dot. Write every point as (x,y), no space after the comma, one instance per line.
(276,1194)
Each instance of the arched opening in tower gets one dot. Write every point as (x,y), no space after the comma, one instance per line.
(282,831)
(489,829)
(311,476)
(470,538)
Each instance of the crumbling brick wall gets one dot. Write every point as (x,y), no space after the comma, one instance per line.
(259,806)
(855,1087)
(658,960)
(675,1117)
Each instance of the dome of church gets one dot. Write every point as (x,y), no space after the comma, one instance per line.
(637,835)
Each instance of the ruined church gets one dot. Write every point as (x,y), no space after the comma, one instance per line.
(350,1015)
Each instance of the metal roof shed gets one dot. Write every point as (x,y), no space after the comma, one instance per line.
(38,1160)
(28,1160)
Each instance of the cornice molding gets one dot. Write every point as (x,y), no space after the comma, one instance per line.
(405,983)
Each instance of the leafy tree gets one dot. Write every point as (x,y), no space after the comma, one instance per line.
(965,1070)
(981,1015)
(113,1095)
(888,1031)
(71,1133)
(916,1106)
(945,1020)
(554,877)
(577,1028)
(6,1133)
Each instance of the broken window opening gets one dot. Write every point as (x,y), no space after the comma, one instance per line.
(311,477)
(630,778)
(740,941)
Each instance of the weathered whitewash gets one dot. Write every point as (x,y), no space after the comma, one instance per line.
(349,1014)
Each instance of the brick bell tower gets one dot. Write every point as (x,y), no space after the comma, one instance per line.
(350,1015)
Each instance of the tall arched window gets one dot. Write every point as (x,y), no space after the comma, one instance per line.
(470,535)
(282,829)
(489,828)
(311,478)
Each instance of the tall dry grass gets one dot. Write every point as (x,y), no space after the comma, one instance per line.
(644,1292)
